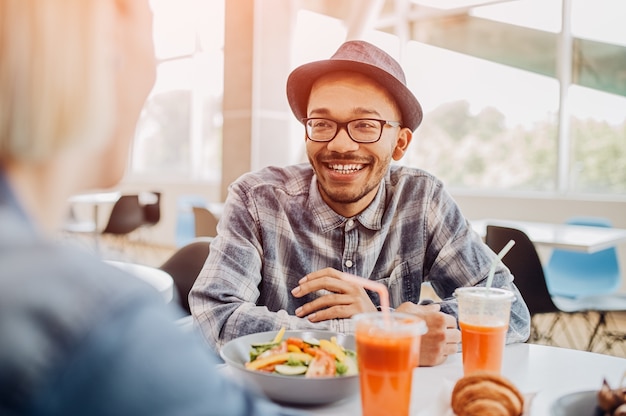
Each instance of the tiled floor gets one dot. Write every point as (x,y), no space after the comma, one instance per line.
(570,331)
(574,331)
(132,248)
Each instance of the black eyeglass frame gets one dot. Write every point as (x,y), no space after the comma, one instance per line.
(344,125)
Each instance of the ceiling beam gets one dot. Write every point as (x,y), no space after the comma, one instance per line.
(596,65)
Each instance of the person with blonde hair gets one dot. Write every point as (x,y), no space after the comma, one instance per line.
(78,336)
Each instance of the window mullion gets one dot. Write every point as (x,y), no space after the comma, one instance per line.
(564,74)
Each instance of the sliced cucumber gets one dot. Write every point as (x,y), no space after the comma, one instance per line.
(312,341)
(290,370)
(353,368)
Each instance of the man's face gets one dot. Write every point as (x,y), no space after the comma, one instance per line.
(348,172)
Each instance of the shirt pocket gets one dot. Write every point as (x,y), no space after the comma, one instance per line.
(402,285)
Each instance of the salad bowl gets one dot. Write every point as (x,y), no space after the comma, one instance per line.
(290,389)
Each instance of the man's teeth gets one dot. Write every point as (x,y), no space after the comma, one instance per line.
(346,168)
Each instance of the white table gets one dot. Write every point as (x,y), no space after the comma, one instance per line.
(572,237)
(157,278)
(547,372)
(95,199)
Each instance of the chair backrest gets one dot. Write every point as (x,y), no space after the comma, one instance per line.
(184,266)
(152,211)
(525,265)
(205,223)
(126,215)
(577,274)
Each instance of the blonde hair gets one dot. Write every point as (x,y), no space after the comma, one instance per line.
(56,76)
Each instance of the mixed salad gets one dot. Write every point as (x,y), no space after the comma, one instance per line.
(308,357)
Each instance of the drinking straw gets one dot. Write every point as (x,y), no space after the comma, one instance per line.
(377,287)
(492,271)
(501,254)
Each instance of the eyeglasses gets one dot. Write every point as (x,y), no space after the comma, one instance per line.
(362,130)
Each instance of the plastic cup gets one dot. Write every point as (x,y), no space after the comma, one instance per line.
(387,347)
(484,320)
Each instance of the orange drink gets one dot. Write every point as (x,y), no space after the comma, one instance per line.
(483,347)
(387,351)
(484,320)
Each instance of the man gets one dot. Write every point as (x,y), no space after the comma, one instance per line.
(289,236)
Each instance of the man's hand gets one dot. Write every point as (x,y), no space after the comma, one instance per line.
(442,338)
(344,300)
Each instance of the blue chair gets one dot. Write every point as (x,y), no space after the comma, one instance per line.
(574,274)
(593,279)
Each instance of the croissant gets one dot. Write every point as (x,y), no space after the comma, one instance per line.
(486,394)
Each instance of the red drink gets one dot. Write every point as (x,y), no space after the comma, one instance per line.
(484,320)
(386,360)
(483,346)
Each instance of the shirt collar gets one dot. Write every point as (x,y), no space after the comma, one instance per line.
(328,220)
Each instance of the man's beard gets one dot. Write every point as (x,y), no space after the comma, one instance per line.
(347,194)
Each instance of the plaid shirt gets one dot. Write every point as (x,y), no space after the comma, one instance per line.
(275,229)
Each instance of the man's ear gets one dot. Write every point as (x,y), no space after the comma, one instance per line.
(404,139)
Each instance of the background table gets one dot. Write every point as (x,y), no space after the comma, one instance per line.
(95,199)
(546,372)
(157,278)
(566,236)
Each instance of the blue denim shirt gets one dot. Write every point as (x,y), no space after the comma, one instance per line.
(275,229)
(79,337)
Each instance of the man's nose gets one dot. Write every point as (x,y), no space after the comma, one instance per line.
(342,142)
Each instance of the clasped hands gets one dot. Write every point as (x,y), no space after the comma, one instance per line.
(346,299)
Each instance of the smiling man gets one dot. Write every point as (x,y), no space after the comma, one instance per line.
(289,237)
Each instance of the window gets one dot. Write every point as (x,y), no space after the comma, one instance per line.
(495,116)
(597,120)
(486,126)
(179,132)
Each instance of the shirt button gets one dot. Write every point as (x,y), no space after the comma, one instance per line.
(348,263)
(350,223)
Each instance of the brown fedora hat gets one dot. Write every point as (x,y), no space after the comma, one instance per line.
(362,57)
